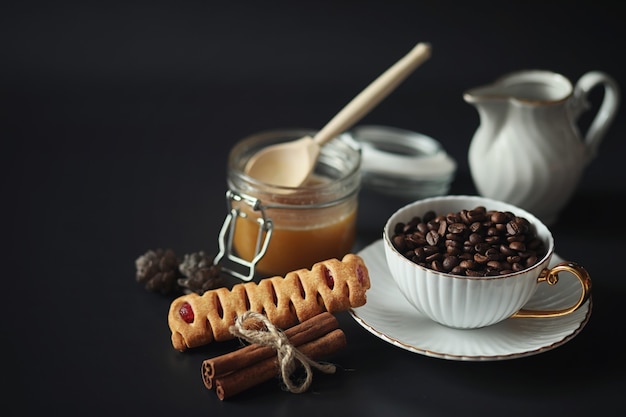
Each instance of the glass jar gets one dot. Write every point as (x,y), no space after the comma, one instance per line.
(274,230)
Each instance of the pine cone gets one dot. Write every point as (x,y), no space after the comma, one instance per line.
(200,273)
(158,270)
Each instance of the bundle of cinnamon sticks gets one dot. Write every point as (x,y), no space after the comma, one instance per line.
(237,371)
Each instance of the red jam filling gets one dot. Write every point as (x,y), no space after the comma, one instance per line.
(360,275)
(330,281)
(186,312)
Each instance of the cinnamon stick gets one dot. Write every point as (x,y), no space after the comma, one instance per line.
(299,334)
(238,381)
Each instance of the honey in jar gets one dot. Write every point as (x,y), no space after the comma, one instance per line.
(306,224)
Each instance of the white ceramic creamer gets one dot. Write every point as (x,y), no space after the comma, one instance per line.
(528,150)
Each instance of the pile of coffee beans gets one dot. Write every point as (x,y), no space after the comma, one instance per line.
(476,242)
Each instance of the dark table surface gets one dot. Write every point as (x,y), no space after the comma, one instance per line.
(117,118)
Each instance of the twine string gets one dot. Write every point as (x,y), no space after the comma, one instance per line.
(288,355)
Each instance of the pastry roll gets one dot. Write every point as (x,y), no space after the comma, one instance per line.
(330,285)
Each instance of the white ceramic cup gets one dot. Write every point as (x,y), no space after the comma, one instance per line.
(471,302)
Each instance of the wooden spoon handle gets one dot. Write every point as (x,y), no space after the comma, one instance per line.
(373,93)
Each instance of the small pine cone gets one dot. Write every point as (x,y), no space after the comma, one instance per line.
(200,273)
(158,270)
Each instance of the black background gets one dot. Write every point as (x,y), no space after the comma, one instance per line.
(117,118)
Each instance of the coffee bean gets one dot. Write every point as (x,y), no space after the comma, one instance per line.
(457,270)
(481,247)
(454,237)
(419,254)
(453,244)
(498,217)
(430,249)
(492,254)
(531,260)
(476,215)
(475,238)
(481,259)
(457,228)
(516,238)
(433,238)
(506,250)
(454,218)
(517,267)
(416,239)
(451,250)
(514,259)
(434,257)
(467,264)
(511,228)
(450,262)
(492,231)
(428,216)
(398,242)
(436,266)
(517,246)
(494,265)
(473,242)
(422,228)
(464,217)
(493,240)
(443,227)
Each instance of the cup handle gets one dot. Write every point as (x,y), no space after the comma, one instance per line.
(606,113)
(551,276)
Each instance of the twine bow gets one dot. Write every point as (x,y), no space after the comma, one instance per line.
(288,355)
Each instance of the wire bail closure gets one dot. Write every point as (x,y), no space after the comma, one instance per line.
(228,231)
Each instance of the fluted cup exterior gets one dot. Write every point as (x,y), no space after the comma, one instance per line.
(461,301)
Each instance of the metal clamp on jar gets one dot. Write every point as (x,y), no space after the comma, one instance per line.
(228,232)
(272,230)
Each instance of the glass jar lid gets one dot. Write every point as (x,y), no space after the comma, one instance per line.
(403,163)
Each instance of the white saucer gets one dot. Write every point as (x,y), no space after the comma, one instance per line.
(388,315)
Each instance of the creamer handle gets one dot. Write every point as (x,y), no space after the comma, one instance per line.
(606,113)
